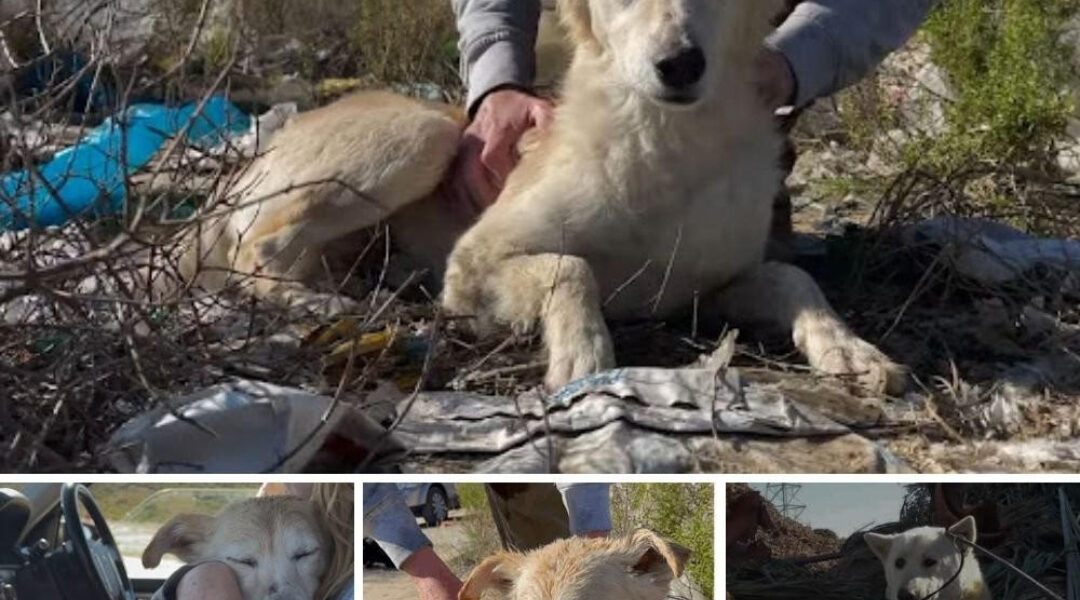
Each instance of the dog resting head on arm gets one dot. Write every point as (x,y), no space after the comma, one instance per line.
(277,546)
(921,561)
(639,566)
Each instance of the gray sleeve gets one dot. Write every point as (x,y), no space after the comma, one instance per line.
(831,44)
(498,44)
(588,505)
(389,522)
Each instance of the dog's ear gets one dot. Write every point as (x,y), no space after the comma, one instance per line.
(184,535)
(879,543)
(964,528)
(577,20)
(497,572)
(657,555)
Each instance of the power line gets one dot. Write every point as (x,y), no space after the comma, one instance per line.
(785,497)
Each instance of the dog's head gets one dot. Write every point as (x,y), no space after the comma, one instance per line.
(277,546)
(669,51)
(639,566)
(920,561)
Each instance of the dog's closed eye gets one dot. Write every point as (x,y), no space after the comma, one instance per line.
(247,562)
(304,554)
(900,562)
(929,562)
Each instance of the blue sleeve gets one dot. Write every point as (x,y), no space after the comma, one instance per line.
(388,521)
(588,505)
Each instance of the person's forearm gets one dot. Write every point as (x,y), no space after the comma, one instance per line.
(588,506)
(498,39)
(831,44)
(433,579)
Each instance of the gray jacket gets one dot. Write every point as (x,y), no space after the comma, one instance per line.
(830,44)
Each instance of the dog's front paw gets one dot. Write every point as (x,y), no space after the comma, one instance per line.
(837,351)
(576,354)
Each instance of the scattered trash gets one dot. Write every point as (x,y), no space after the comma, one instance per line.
(248,427)
(622,421)
(253,141)
(640,420)
(90,176)
(990,252)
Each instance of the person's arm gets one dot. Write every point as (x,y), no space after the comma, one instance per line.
(831,44)
(588,506)
(498,63)
(498,40)
(388,521)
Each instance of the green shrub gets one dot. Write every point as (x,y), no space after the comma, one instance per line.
(682,512)
(481,537)
(383,41)
(1010,73)
(406,42)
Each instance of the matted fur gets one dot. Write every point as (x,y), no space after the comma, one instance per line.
(919,561)
(277,546)
(639,566)
(633,204)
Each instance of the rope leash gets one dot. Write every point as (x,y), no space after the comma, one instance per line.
(956,538)
(1013,568)
(963,557)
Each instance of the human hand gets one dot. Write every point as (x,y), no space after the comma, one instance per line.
(773,79)
(488,149)
(433,579)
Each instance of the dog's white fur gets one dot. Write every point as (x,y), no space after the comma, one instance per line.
(630,205)
(277,546)
(640,566)
(919,561)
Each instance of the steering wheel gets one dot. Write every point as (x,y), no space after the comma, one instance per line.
(100,558)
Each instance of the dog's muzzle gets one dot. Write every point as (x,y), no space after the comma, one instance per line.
(680,74)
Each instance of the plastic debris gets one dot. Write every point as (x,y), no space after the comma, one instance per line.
(638,421)
(621,421)
(90,176)
(248,427)
(993,253)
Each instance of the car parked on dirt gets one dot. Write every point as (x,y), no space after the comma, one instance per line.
(432,501)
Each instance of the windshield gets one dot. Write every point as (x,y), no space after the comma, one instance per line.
(134,513)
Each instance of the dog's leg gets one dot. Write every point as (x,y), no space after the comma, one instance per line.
(557,290)
(281,252)
(787,297)
(337,172)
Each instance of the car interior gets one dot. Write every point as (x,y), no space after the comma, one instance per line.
(55,544)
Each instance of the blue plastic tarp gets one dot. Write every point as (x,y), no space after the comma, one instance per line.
(88,178)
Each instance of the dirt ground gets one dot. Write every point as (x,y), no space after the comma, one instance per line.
(388,584)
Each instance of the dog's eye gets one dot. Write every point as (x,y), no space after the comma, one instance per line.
(247,562)
(900,563)
(304,554)
(928,562)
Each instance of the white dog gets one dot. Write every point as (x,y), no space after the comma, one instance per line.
(649,195)
(640,566)
(921,561)
(277,546)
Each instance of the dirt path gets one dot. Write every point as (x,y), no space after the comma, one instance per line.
(389,584)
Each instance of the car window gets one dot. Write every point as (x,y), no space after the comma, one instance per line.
(134,513)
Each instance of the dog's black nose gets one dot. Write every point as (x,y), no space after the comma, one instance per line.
(682,70)
(905,595)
